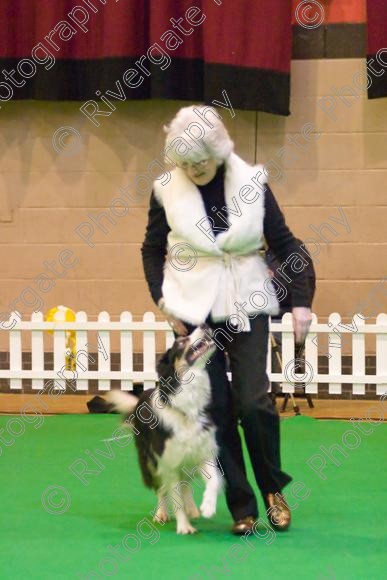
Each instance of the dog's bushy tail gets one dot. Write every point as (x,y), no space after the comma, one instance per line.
(122,401)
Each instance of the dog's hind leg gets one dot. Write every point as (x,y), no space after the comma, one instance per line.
(161,514)
(213,488)
(189,503)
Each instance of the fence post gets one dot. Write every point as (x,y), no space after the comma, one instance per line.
(358,357)
(103,363)
(126,351)
(334,354)
(149,350)
(311,360)
(60,353)
(381,352)
(37,351)
(169,339)
(82,346)
(288,364)
(15,353)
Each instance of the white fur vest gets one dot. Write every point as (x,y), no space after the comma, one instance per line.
(224,276)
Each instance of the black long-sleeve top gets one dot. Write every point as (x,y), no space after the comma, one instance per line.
(279,238)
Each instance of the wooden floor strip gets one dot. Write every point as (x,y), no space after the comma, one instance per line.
(323,408)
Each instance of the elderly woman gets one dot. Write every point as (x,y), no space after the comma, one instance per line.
(201,258)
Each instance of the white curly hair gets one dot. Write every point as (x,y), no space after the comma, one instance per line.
(195,133)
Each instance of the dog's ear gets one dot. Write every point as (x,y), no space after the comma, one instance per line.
(165,367)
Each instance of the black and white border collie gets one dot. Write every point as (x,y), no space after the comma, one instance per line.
(174,433)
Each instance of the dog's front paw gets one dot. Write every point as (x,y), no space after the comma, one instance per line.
(160,517)
(186,529)
(208,508)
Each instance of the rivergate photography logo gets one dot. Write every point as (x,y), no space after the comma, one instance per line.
(67,141)
(309,14)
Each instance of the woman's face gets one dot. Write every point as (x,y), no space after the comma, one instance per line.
(200,173)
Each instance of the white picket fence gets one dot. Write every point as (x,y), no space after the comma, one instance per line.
(148,327)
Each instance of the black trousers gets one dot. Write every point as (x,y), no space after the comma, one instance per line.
(249,402)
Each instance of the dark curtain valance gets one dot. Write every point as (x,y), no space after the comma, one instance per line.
(142,49)
(377,48)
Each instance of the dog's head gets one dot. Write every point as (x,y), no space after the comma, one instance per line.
(187,352)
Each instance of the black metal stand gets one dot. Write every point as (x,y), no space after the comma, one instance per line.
(296,408)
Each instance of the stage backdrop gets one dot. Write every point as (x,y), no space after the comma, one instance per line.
(377,47)
(191,49)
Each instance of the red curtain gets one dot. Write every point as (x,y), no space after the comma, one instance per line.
(377,48)
(186,49)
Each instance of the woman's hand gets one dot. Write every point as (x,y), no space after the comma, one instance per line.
(302,318)
(177,325)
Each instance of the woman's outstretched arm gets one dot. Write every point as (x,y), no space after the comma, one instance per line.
(154,248)
(283,243)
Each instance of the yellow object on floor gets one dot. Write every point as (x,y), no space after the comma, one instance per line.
(65,314)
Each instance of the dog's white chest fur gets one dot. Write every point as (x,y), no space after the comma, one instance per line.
(193,440)
(190,445)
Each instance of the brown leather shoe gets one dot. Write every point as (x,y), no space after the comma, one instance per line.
(277,511)
(244,525)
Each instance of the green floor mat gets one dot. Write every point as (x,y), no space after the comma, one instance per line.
(56,526)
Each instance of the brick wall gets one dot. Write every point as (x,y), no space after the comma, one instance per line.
(44,196)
